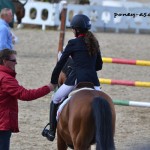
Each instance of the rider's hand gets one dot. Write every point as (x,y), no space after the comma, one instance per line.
(55,86)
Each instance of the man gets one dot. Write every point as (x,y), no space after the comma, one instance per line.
(6,37)
(10,92)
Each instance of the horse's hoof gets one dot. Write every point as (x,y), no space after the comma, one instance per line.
(20,26)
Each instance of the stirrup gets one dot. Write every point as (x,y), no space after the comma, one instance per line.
(49,134)
(44,132)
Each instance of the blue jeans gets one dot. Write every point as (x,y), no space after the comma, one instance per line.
(5,140)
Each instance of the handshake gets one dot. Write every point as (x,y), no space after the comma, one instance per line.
(52,86)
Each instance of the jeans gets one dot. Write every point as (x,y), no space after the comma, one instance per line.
(5,140)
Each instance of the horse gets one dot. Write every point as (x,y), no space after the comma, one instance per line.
(19,11)
(88,118)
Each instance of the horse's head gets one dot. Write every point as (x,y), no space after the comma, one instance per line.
(19,11)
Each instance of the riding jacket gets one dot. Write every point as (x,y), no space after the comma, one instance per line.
(84,66)
(10,92)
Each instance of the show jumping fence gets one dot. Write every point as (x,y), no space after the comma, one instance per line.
(124,82)
(126,61)
(127,82)
(131,103)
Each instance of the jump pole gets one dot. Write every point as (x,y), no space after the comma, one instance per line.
(126,61)
(124,82)
(62,29)
(131,103)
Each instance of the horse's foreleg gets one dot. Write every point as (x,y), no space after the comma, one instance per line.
(61,145)
(18,20)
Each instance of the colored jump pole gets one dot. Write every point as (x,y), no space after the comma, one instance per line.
(126,61)
(124,82)
(131,103)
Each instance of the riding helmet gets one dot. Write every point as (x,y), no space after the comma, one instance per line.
(81,21)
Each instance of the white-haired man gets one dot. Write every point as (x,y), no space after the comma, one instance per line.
(6,37)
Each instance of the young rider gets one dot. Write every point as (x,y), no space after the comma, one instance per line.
(86,55)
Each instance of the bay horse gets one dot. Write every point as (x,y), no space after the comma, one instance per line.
(88,118)
(19,11)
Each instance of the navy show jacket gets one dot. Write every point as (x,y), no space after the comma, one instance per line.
(85,66)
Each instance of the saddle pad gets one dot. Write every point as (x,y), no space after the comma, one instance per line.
(75,91)
(67,100)
(61,107)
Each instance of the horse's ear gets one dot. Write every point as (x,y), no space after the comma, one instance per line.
(85,84)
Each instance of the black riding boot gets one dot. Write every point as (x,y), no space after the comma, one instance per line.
(50,134)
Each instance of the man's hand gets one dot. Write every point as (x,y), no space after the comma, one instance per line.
(52,86)
(55,86)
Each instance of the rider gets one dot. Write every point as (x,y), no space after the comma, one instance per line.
(86,55)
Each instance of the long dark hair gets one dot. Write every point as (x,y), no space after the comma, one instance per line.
(92,43)
(90,40)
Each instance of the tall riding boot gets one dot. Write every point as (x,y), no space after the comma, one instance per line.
(50,134)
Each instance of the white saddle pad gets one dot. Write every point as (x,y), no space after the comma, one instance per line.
(67,100)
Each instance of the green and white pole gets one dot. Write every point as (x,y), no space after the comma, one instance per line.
(131,103)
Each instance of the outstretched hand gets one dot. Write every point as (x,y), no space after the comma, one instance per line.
(53,86)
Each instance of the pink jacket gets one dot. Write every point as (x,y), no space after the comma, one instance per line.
(10,92)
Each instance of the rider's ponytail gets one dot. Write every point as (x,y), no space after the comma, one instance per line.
(92,43)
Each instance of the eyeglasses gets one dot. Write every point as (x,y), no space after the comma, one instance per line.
(13,60)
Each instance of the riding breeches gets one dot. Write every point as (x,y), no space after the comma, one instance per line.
(63,91)
(97,88)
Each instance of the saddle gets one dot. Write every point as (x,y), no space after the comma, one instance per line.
(80,85)
(85,84)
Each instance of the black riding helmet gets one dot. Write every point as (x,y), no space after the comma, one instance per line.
(81,22)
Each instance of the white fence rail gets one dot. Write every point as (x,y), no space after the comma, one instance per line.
(102,17)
